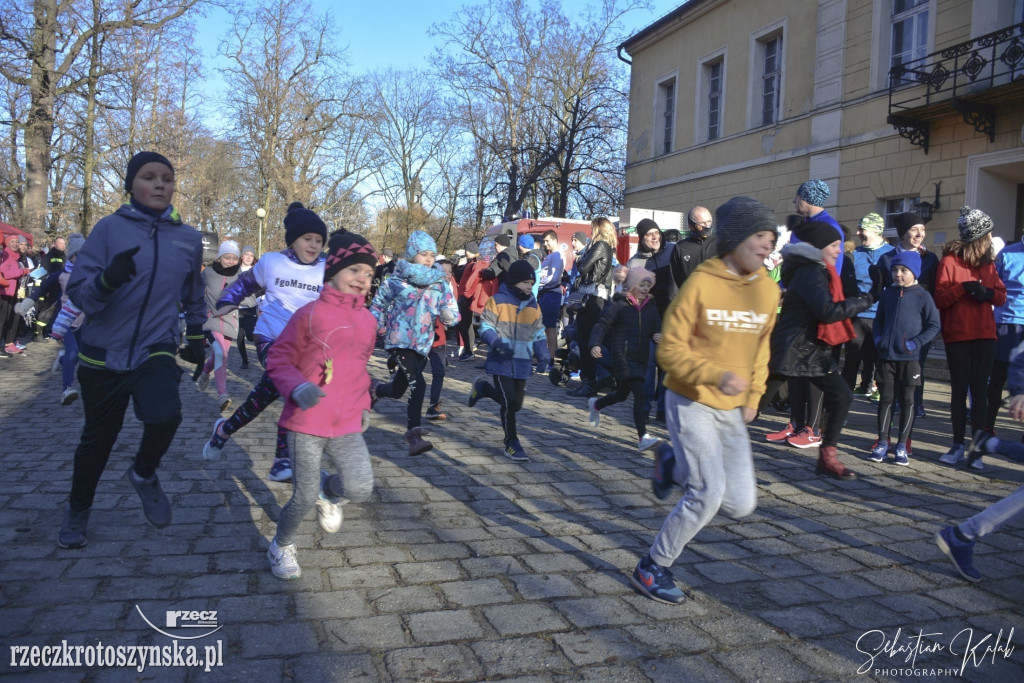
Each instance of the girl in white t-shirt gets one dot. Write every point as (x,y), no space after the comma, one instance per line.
(291,279)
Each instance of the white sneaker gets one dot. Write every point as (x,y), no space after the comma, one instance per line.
(69,396)
(977,465)
(56,367)
(647,442)
(211,452)
(328,513)
(283,562)
(203,381)
(225,403)
(595,414)
(953,455)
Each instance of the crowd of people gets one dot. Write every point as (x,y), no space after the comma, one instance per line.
(705,329)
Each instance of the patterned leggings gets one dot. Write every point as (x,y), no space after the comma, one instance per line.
(261,396)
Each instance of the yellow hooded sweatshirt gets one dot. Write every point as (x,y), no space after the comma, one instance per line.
(719,322)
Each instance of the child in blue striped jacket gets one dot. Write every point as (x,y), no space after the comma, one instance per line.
(512,327)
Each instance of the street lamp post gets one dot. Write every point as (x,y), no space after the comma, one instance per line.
(261,213)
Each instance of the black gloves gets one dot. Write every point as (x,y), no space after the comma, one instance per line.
(196,343)
(120,270)
(980,292)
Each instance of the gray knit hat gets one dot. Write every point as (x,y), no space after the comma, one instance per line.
(973,224)
(75,242)
(814,192)
(738,219)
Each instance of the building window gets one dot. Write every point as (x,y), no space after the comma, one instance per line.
(909,31)
(771,79)
(713,78)
(667,114)
(893,209)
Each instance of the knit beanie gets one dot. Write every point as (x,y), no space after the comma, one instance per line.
(301,221)
(229,247)
(503,240)
(738,219)
(75,242)
(520,271)
(817,233)
(814,192)
(635,276)
(973,224)
(909,259)
(346,248)
(645,226)
(526,241)
(419,241)
(905,221)
(388,252)
(581,236)
(140,160)
(872,223)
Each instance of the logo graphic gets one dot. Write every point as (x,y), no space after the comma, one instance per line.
(915,376)
(736,321)
(182,619)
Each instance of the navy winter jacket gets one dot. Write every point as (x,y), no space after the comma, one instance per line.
(905,314)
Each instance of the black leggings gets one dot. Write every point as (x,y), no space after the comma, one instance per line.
(467,334)
(886,394)
(153,390)
(8,320)
(625,387)
(246,326)
(409,375)
(586,318)
(970,364)
(509,394)
(860,354)
(836,398)
(805,403)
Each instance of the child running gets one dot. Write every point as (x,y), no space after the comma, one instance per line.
(513,329)
(906,320)
(628,325)
(129,277)
(714,349)
(221,330)
(67,323)
(322,353)
(291,279)
(406,307)
(247,312)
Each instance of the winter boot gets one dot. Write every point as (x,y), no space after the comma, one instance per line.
(828,463)
(417,444)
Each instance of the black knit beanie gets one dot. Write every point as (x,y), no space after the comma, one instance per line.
(817,233)
(301,221)
(140,160)
(905,221)
(520,271)
(346,248)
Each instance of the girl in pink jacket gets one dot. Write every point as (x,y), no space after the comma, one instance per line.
(318,364)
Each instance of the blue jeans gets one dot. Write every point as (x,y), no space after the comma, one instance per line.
(70,360)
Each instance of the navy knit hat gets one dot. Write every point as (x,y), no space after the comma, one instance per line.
(346,248)
(814,192)
(910,260)
(301,221)
(738,219)
(140,160)
(520,271)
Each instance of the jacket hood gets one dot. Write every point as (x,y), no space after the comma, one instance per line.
(797,255)
(128,211)
(717,268)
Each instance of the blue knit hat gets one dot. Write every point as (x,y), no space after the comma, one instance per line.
(419,241)
(814,192)
(526,241)
(910,260)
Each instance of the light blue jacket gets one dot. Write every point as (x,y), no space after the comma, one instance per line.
(1010,267)
(864,259)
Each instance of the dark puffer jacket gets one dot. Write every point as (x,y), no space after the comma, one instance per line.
(626,332)
(796,349)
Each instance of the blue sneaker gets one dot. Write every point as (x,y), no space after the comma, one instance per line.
(656,582)
(878,451)
(281,470)
(476,392)
(515,451)
(664,464)
(960,553)
(901,457)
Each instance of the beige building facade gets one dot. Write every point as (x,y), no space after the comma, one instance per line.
(753,97)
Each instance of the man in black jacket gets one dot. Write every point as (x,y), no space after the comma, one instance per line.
(694,250)
(499,265)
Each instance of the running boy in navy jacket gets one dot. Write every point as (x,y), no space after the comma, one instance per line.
(906,320)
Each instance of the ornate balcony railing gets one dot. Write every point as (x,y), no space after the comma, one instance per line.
(956,74)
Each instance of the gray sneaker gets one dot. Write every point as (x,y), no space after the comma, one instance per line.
(155,505)
(72,529)
(953,455)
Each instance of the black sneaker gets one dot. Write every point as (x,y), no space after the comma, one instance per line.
(155,505)
(466,357)
(72,529)
(977,448)
(434,412)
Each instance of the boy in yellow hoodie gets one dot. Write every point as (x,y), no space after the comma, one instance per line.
(714,349)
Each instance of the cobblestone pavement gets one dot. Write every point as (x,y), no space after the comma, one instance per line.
(466,566)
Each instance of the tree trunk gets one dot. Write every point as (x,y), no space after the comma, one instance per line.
(39,128)
(89,142)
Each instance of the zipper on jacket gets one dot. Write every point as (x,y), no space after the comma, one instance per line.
(892,335)
(149,290)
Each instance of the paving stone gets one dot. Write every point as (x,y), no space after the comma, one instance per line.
(476,592)
(523,618)
(596,646)
(404,599)
(444,626)
(519,656)
(541,586)
(437,663)
(600,611)
(366,633)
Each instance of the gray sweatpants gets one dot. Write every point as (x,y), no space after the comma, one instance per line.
(714,466)
(352,483)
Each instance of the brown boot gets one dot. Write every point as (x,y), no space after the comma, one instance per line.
(417,444)
(828,463)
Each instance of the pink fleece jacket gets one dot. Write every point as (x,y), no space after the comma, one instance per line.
(335,327)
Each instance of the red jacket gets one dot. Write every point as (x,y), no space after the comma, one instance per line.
(963,318)
(473,288)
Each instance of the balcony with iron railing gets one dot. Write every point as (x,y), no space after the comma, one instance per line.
(970,78)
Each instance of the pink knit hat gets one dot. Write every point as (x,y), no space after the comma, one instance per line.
(635,276)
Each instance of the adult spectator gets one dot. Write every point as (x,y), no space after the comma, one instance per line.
(699,246)
(383,271)
(10,272)
(596,276)
(810,203)
(498,268)
(860,351)
(473,295)
(652,255)
(549,295)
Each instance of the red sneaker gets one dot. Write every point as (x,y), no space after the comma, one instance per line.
(807,438)
(781,435)
(11,348)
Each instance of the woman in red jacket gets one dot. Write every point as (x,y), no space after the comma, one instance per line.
(966,289)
